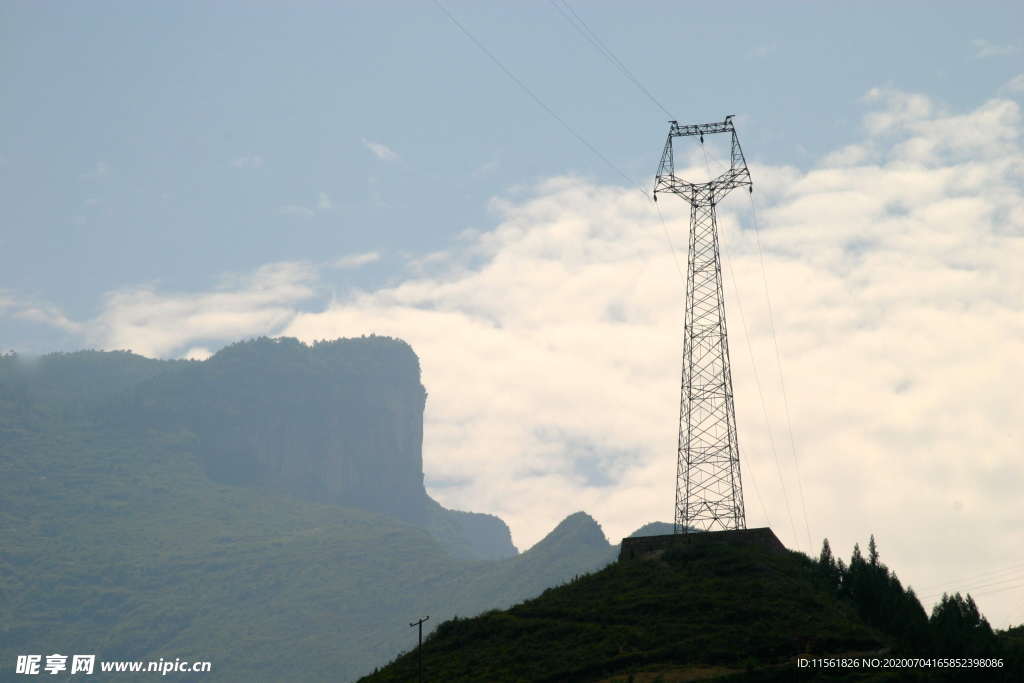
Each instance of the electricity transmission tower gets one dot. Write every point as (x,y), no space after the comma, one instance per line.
(709,493)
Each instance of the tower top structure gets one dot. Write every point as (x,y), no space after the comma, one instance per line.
(738,174)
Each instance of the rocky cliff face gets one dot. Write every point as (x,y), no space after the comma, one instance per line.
(337,422)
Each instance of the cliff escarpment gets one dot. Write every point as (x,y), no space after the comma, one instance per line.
(337,422)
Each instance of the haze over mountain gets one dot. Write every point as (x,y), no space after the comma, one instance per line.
(264,502)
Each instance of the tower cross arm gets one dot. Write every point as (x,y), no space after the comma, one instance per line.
(716,189)
(679,131)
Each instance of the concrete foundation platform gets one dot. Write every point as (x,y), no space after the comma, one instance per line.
(641,547)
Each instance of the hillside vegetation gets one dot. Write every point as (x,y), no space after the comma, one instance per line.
(711,612)
(117,541)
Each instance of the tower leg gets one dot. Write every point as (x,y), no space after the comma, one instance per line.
(709,492)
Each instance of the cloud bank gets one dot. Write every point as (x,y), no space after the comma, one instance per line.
(550,346)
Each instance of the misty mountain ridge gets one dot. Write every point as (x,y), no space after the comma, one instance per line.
(267,499)
(337,422)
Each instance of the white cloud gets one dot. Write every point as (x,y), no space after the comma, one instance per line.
(197,353)
(851,155)
(248,161)
(323,203)
(156,323)
(897,109)
(48,315)
(296,210)
(984,48)
(356,260)
(36,311)
(1015,84)
(381,151)
(550,345)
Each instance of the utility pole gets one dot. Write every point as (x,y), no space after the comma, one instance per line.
(419,648)
(709,492)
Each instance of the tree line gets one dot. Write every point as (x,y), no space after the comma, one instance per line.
(955,628)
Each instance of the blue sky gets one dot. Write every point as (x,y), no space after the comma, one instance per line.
(174,142)
(175,177)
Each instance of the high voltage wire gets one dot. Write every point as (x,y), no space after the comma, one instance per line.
(984,587)
(764,407)
(579,25)
(532,95)
(981,576)
(576,21)
(778,360)
(515,79)
(757,383)
(976,592)
(610,55)
(670,244)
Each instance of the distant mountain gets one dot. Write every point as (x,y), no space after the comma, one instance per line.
(161,509)
(337,422)
(654,529)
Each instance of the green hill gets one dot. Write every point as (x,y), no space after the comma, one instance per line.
(715,610)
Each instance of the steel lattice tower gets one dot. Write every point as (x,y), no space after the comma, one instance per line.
(709,492)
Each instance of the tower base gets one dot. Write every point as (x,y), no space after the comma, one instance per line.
(649,547)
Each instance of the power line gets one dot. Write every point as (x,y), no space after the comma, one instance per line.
(522,85)
(533,96)
(778,357)
(988,584)
(778,360)
(576,21)
(764,406)
(515,79)
(757,381)
(976,592)
(670,244)
(985,575)
(760,391)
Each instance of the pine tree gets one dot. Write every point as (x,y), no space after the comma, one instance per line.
(872,552)
(827,566)
(826,559)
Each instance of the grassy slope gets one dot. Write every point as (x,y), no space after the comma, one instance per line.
(119,545)
(731,607)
